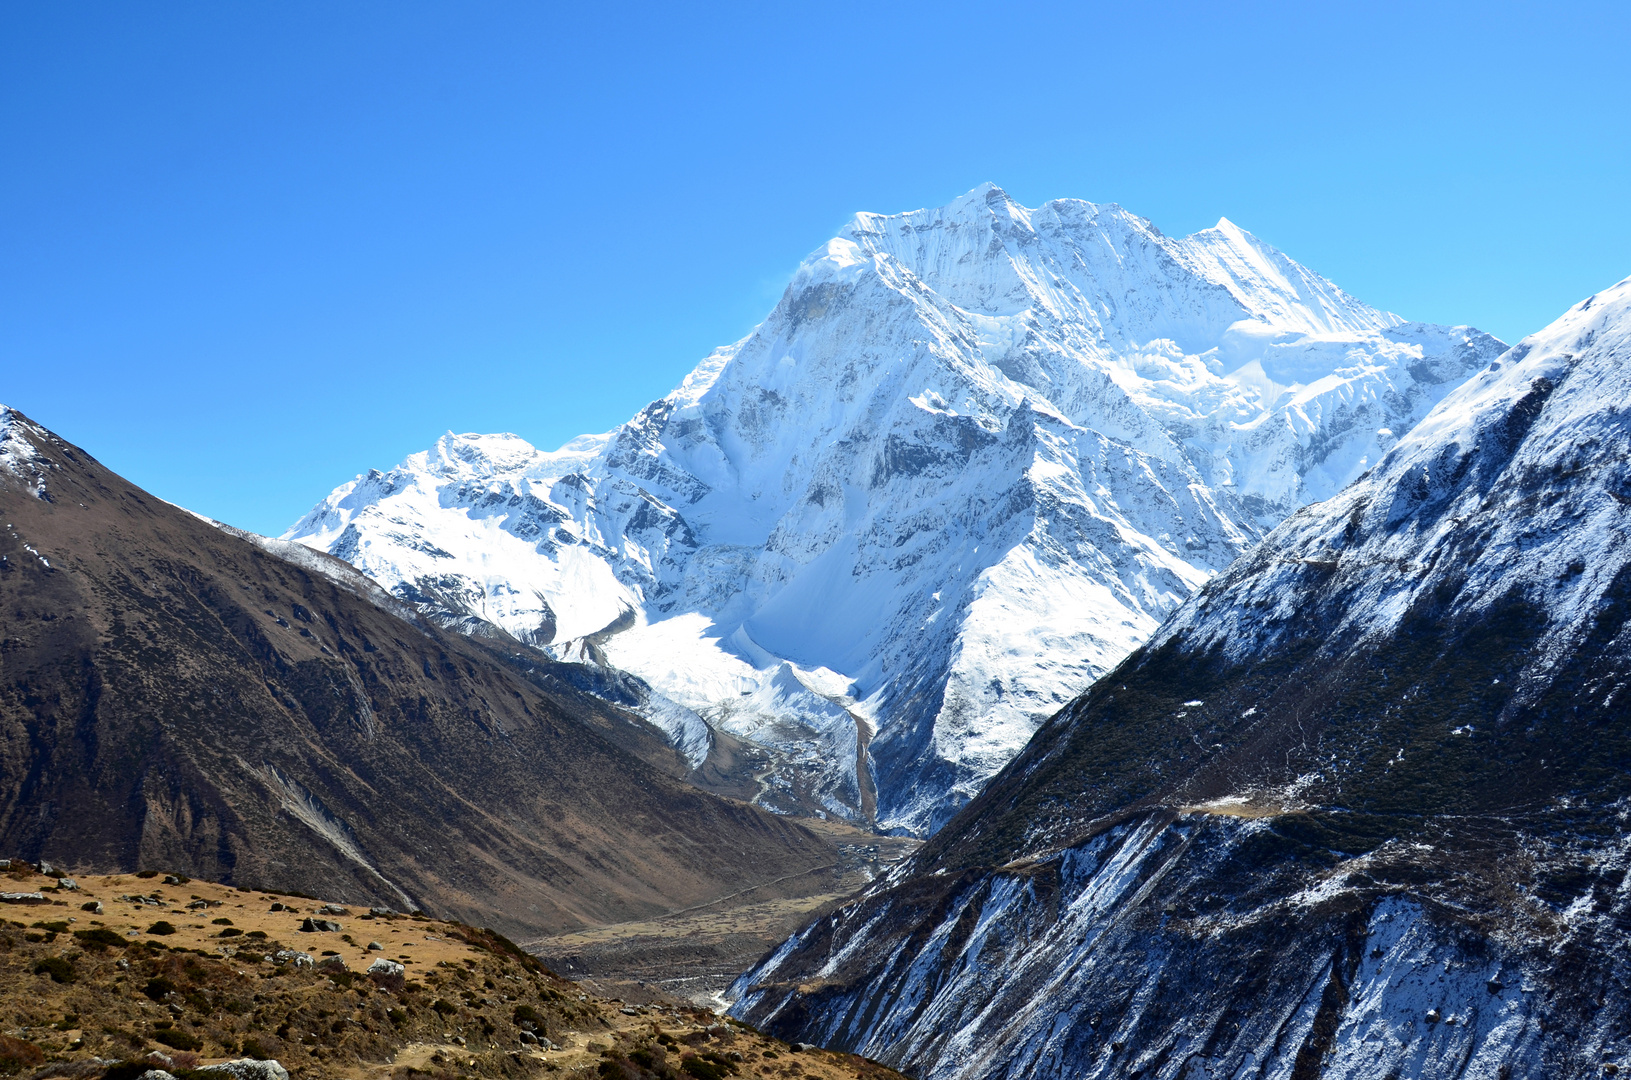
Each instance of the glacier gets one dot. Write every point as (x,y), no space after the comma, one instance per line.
(972,459)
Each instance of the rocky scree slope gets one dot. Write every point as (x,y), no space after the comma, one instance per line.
(1359,809)
(969,462)
(173,694)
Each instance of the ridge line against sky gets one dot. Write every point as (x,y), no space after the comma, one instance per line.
(251,251)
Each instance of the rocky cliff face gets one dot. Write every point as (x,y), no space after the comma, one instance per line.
(968,463)
(1357,810)
(183,696)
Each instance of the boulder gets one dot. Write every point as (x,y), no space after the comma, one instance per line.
(374,946)
(332,963)
(243,1069)
(332,909)
(387,974)
(23,898)
(312,926)
(67,884)
(94,907)
(292,956)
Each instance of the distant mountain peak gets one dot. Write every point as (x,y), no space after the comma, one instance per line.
(973,456)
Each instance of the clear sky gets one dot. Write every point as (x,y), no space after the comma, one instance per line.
(250,249)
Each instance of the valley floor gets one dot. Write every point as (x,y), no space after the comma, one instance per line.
(695,954)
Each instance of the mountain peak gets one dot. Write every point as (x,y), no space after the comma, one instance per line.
(969,441)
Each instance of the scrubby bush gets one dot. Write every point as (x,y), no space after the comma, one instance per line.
(59,968)
(161,928)
(17,1055)
(177,1039)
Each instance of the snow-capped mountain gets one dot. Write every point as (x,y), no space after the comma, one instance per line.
(971,460)
(1359,809)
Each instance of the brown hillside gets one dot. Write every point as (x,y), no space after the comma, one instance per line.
(172,695)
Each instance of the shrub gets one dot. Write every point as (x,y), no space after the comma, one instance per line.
(147,873)
(443,1008)
(397,1016)
(60,969)
(528,1014)
(161,928)
(258,935)
(223,921)
(56,927)
(254,1049)
(158,988)
(177,1039)
(99,938)
(17,1055)
(231,931)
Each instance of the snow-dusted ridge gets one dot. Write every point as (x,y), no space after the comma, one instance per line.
(973,457)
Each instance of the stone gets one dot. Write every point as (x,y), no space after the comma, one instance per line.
(332,963)
(67,884)
(529,1038)
(48,870)
(171,879)
(380,911)
(23,898)
(243,1069)
(1432,1016)
(292,956)
(157,1074)
(332,909)
(374,946)
(280,907)
(387,974)
(312,926)
(94,907)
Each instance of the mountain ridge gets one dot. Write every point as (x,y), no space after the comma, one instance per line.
(176,694)
(1357,809)
(969,462)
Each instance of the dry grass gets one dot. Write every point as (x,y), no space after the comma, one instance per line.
(103,994)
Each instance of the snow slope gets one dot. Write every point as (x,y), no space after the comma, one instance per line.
(972,459)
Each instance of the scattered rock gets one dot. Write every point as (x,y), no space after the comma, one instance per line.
(23,898)
(48,870)
(332,909)
(67,884)
(171,879)
(374,946)
(312,926)
(332,963)
(529,1038)
(292,956)
(156,1074)
(280,907)
(94,907)
(380,911)
(1432,1016)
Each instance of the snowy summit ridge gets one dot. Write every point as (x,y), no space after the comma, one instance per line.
(973,458)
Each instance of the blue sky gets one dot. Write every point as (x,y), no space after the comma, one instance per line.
(248,250)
